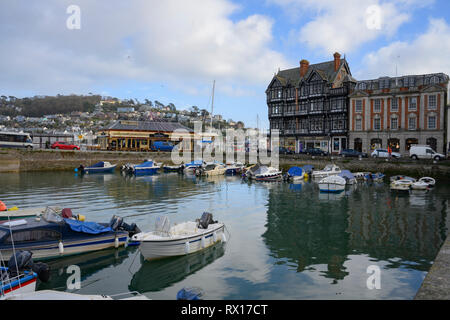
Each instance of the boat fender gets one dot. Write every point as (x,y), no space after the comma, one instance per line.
(116,242)
(61,247)
(3,206)
(187,248)
(42,270)
(203,242)
(215,237)
(224,237)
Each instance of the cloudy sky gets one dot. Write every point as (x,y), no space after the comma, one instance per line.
(172,50)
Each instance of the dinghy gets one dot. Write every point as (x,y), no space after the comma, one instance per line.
(180,239)
(430,181)
(401,185)
(99,167)
(147,167)
(419,185)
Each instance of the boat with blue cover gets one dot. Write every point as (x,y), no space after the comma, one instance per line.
(193,166)
(54,235)
(295,174)
(233,169)
(147,167)
(99,167)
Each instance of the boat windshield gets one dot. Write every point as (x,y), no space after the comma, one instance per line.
(51,215)
(328,167)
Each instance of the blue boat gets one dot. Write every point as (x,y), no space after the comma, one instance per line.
(100,167)
(295,173)
(21,274)
(54,235)
(173,168)
(192,166)
(348,176)
(147,167)
(233,169)
(377,177)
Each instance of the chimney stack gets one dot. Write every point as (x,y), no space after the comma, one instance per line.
(304,64)
(337,61)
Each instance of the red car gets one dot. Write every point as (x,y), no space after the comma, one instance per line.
(64,146)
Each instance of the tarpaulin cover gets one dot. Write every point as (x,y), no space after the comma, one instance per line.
(87,227)
(346,174)
(145,164)
(100,164)
(195,163)
(295,171)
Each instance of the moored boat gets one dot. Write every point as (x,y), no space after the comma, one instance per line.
(99,167)
(233,169)
(329,170)
(53,235)
(193,166)
(295,174)
(348,176)
(428,180)
(147,167)
(401,185)
(375,177)
(419,185)
(211,169)
(180,239)
(401,177)
(332,184)
(267,174)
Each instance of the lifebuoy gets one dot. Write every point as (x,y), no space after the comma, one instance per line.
(3,206)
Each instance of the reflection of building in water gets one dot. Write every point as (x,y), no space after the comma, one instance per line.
(306,231)
(397,226)
(159,274)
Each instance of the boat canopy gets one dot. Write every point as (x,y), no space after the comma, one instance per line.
(194,163)
(295,171)
(87,227)
(145,164)
(100,164)
(346,174)
(308,168)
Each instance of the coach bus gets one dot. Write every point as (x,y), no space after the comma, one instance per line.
(15,140)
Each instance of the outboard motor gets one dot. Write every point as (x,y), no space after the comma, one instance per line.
(117,223)
(81,168)
(22,261)
(205,220)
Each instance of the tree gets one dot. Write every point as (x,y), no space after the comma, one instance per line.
(172,107)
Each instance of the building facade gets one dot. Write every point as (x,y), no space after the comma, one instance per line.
(309,105)
(398,112)
(126,135)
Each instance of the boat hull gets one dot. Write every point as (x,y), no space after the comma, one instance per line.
(22,285)
(138,171)
(50,249)
(331,187)
(100,170)
(158,249)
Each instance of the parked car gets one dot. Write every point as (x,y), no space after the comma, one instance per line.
(162,146)
(64,146)
(352,153)
(283,150)
(315,152)
(424,152)
(383,153)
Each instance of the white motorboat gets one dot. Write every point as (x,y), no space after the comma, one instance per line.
(180,239)
(401,185)
(212,169)
(332,184)
(361,175)
(267,174)
(419,185)
(430,181)
(401,177)
(329,170)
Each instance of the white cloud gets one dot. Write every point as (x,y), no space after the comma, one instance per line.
(347,24)
(428,53)
(172,40)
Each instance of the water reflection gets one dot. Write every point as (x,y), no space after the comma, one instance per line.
(159,274)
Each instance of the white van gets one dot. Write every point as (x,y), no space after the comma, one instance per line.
(424,152)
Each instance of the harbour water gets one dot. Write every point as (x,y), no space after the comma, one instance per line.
(288,241)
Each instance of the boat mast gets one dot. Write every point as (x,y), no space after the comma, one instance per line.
(212,105)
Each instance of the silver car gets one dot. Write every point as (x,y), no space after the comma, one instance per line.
(383,153)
